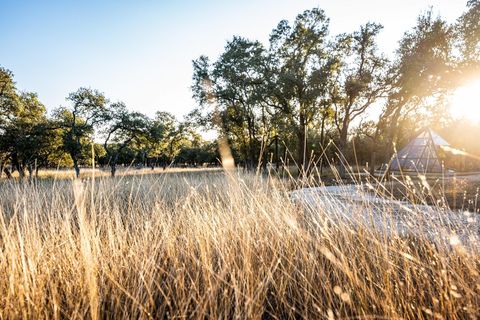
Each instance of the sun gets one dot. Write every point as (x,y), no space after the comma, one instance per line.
(465,102)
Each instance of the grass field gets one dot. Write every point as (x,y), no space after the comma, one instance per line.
(205,244)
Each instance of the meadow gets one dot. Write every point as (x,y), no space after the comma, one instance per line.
(210,244)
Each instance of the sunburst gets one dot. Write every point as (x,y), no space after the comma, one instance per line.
(465,102)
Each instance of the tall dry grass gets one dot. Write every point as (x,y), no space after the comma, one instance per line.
(192,245)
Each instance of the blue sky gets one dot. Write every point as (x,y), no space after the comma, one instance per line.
(140,52)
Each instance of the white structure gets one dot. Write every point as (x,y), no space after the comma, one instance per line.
(421,154)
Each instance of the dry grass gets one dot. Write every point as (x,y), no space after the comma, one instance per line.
(190,245)
(105,172)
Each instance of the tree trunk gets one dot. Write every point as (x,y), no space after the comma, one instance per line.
(277,160)
(7,173)
(76,167)
(392,133)
(113,169)
(373,160)
(30,172)
(251,145)
(17,166)
(343,149)
(302,146)
(322,144)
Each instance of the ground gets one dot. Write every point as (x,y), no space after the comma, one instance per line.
(211,244)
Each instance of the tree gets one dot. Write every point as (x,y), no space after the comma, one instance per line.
(422,69)
(35,138)
(25,137)
(123,128)
(24,129)
(234,83)
(88,110)
(162,138)
(359,80)
(301,68)
(168,133)
(468,34)
(9,98)
(199,153)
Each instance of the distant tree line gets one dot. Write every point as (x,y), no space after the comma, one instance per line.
(90,126)
(306,97)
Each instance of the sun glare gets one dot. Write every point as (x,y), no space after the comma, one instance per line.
(465,102)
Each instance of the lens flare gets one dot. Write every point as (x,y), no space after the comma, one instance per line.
(465,102)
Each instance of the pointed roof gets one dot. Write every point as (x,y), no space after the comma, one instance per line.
(420,154)
(437,139)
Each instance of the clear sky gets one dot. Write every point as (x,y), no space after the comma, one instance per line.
(140,52)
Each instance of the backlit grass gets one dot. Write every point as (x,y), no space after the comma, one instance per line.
(190,245)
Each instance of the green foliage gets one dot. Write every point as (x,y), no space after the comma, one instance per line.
(255,96)
(233,85)
(308,81)
(421,71)
(468,32)
(88,110)
(9,99)
(302,67)
(123,129)
(359,79)
(26,135)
